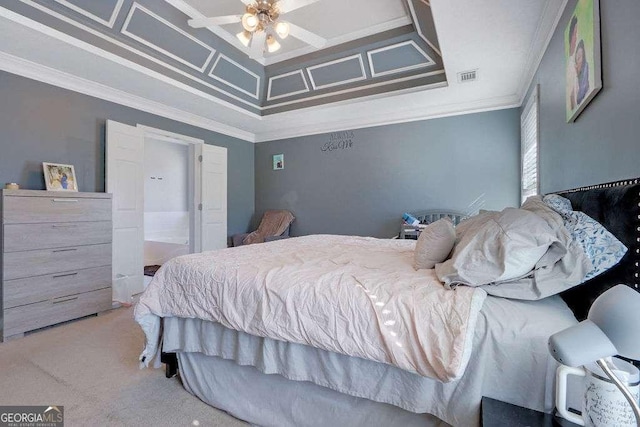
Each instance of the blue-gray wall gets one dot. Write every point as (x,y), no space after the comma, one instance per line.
(40,122)
(460,163)
(603,144)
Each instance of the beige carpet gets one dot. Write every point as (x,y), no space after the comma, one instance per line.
(90,366)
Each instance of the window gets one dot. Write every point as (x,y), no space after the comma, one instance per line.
(529,178)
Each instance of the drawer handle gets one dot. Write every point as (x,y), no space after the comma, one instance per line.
(58,276)
(65,226)
(64,200)
(59,301)
(64,250)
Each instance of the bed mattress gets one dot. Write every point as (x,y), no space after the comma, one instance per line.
(510,362)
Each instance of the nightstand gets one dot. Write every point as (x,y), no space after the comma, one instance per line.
(495,413)
(411,231)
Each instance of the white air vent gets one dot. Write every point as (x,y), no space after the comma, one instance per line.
(468,76)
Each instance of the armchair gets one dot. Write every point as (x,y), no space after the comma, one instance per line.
(274,225)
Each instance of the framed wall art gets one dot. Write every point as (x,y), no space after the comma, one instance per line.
(278,162)
(582,57)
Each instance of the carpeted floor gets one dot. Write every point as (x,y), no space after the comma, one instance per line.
(90,366)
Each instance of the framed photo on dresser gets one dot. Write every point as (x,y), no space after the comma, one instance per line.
(59,177)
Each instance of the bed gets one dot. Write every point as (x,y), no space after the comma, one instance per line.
(281,381)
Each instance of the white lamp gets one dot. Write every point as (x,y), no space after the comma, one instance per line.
(612,328)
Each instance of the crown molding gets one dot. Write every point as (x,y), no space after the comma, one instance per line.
(544,33)
(332,123)
(22,67)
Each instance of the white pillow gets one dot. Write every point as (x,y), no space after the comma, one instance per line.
(434,244)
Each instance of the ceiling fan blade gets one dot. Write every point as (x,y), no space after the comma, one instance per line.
(306,36)
(214,20)
(285,6)
(257,44)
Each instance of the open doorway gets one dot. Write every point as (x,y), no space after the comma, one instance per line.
(141,160)
(167,201)
(171,168)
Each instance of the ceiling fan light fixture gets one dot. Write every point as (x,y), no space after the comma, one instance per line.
(244,37)
(250,22)
(282,29)
(272,44)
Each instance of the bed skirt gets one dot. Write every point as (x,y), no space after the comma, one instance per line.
(272,400)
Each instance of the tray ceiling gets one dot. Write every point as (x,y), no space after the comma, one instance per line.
(156,35)
(147,57)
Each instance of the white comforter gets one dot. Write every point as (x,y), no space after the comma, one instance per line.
(356,296)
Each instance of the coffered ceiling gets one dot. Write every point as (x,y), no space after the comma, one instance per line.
(384,62)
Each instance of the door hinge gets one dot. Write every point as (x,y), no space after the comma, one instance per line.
(200,158)
(200,206)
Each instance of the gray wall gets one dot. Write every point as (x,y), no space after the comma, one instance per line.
(603,144)
(40,122)
(461,163)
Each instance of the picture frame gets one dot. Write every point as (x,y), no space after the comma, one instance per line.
(59,177)
(583,63)
(278,162)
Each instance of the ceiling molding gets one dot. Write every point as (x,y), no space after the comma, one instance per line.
(362,76)
(52,32)
(287,94)
(222,57)
(418,26)
(109,23)
(125,30)
(360,88)
(232,95)
(367,32)
(544,33)
(371,53)
(384,119)
(31,70)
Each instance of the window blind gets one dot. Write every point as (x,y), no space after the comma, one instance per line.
(529,178)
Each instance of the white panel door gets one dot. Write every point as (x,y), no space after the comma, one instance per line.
(125,180)
(214,197)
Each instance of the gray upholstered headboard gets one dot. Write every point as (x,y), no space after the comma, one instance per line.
(615,205)
(427,217)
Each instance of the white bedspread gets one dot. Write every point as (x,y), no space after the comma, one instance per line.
(351,295)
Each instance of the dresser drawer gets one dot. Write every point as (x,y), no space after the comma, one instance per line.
(26,237)
(29,210)
(34,316)
(18,265)
(42,288)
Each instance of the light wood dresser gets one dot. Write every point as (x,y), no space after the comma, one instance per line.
(56,258)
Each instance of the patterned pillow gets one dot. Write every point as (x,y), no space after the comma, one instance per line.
(558,203)
(602,247)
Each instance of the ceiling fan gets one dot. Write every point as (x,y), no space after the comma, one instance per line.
(261,25)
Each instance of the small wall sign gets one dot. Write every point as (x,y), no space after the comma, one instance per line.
(278,162)
(339,141)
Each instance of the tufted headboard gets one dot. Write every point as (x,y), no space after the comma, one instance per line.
(615,205)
